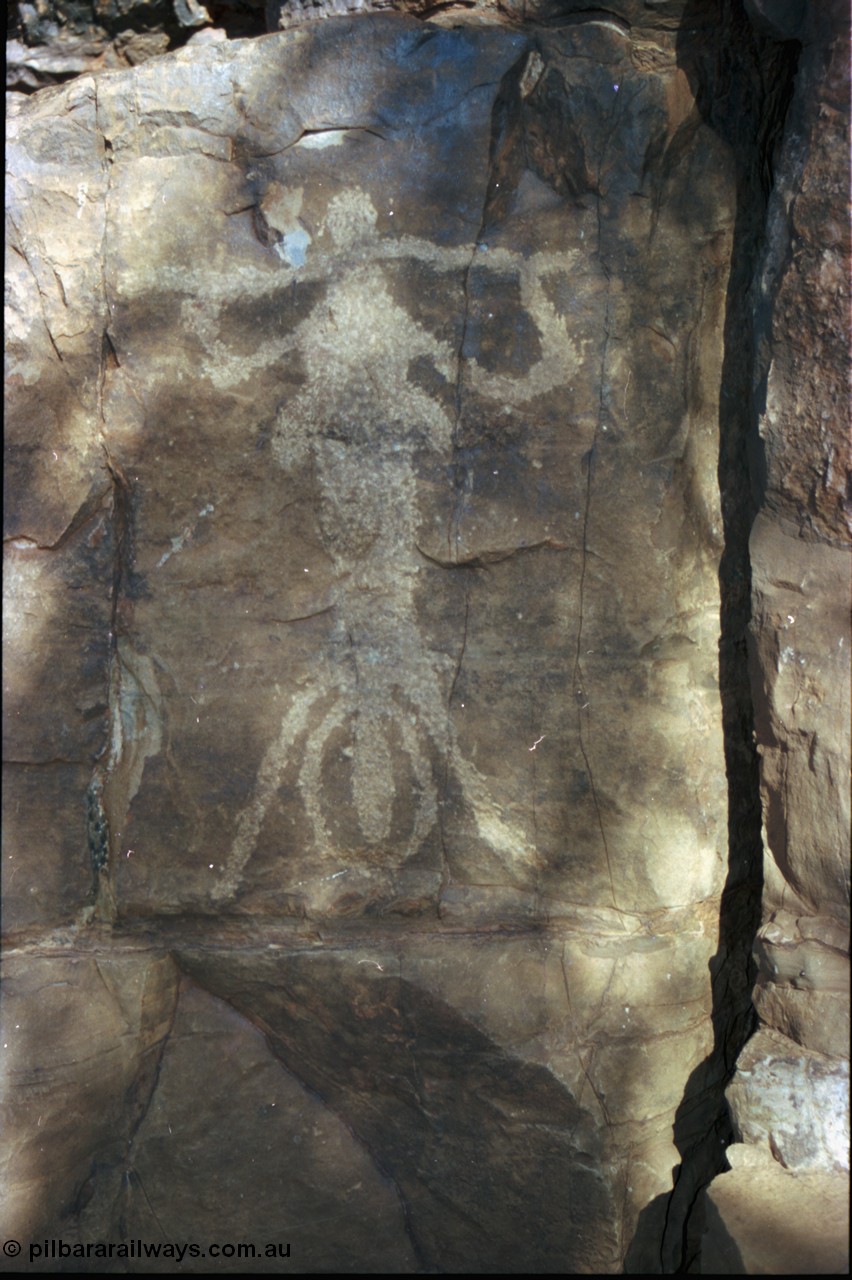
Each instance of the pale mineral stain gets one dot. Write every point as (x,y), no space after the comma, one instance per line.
(325,138)
(293,248)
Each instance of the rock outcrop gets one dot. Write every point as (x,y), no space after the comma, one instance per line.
(383,853)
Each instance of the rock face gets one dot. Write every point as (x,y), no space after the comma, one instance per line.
(369,885)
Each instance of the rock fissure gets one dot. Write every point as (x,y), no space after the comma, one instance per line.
(87,512)
(102,813)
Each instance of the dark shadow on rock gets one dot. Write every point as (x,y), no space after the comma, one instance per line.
(464,1130)
(719,1253)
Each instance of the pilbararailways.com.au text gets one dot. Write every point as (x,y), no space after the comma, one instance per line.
(141,1249)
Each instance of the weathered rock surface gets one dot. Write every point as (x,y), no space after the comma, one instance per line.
(367,780)
(813,1133)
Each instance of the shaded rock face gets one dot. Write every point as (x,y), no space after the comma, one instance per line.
(413,398)
(367,542)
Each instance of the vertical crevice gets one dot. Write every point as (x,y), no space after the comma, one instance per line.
(122,555)
(743,84)
(100,821)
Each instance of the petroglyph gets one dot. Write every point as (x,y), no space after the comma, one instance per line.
(361,432)
(359,425)
(349,228)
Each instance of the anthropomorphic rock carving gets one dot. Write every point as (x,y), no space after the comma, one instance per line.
(363,429)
